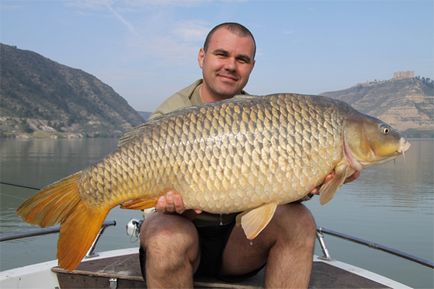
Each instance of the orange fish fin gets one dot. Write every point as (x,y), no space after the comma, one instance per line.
(255,220)
(328,189)
(139,204)
(52,204)
(78,233)
(60,202)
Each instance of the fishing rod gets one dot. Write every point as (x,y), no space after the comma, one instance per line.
(19,186)
(320,236)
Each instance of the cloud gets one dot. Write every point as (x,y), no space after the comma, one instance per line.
(124,22)
(191,31)
(173,43)
(153,33)
(130,4)
(89,5)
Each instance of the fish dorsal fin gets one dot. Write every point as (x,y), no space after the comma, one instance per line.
(328,189)
(137,131)
(139,204)
(132,134)
(255,220)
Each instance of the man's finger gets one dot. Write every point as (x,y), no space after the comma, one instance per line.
(353,177)
(170,203)
(329,177)
(161,204)
(315,191)
(178,203)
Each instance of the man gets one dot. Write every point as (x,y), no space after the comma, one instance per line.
(175,244)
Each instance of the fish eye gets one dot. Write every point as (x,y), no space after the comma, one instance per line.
(385,129)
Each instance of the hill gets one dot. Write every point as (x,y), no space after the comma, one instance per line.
(406,103)
(40,97)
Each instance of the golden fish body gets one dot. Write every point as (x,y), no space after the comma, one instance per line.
(226,157)
(237,155)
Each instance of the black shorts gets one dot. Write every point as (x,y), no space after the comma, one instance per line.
(212,242)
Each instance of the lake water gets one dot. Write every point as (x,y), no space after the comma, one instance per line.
(391,204)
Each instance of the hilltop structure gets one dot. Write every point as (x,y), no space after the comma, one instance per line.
(403,75)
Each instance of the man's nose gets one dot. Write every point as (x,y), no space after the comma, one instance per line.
(230,64)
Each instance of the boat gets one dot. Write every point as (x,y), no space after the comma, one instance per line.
(121,269)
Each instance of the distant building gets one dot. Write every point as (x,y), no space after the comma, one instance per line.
(403,74)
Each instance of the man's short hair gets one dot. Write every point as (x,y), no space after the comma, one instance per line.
(235,28)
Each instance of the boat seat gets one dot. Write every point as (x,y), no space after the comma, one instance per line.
(124,272)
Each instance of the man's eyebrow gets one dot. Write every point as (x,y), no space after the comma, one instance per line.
(243,57)
(220,50)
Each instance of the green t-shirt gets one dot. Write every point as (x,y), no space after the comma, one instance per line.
(184,98)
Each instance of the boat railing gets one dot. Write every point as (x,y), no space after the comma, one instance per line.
(326,255)
(8,236)
(320,235)
(321,231)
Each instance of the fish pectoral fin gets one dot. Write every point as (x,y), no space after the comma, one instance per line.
(328,189)
(139,204)
(255,220)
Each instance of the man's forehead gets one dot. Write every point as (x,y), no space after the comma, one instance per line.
(225,39)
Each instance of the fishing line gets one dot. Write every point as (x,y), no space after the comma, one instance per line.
(19,186)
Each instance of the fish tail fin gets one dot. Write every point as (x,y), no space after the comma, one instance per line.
(60,202)
(52,204)
(77,234)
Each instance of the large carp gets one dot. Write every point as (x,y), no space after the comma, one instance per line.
(240,155)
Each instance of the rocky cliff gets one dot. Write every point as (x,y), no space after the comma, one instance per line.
(405,103)
(40,97)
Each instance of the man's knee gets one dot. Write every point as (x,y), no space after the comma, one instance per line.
(297,221)
(168,242)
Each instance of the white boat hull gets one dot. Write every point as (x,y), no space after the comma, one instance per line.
(40,276)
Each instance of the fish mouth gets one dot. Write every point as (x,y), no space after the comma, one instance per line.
(404,145)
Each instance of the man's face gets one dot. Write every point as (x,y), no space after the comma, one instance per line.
(227,63)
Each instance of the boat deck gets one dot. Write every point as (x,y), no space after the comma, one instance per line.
(124,272)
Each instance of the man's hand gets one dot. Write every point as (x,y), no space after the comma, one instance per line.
(330,176)
(353,177)
(172,202)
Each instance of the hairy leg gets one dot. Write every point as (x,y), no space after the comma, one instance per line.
(171,250)
(286,246)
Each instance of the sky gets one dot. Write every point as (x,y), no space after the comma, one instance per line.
(147,49)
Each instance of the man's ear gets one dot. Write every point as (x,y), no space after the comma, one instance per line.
(200,57)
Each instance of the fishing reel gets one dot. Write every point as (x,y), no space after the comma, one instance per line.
(133,229)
